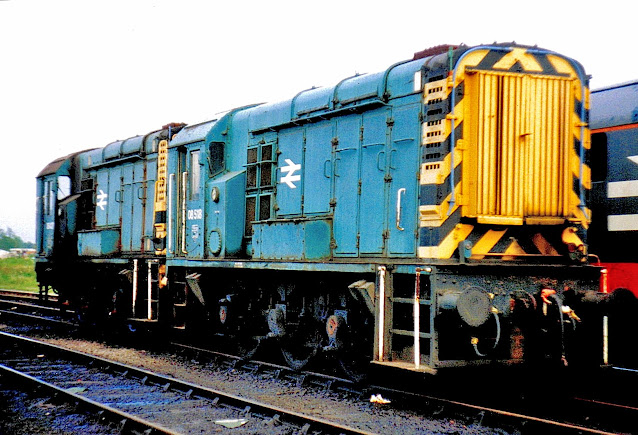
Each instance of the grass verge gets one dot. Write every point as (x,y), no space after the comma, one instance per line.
(18,274)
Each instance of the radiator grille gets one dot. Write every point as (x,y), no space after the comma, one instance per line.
(519,147)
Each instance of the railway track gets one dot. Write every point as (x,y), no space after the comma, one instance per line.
(615,413)
(30,307)
(273,370)
(602,416)
(25,294)
(144,401)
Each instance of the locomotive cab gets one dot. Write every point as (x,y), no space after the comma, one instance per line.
(56,215)
(57,209)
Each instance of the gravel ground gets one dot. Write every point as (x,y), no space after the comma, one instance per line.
(360,414)
(22,415)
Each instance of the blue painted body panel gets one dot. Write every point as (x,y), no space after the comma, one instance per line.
(115,196)
(292,240)
(112,150)
(133,145)
(317,169)
(90,158)
(268,115)
(128,221)
(291,148)
(225,218)
(98,243)
(133,203)
(346,175)
(312,100)
(360,87)
(404,189)
(101,189)
(108,196)
(191,134)
(373,198)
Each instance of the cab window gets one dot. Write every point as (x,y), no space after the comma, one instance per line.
(64,187)
(49,198)
(195,175)
(216,150)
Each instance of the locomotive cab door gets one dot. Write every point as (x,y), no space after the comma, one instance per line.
(133,199)
(190,203)
(373,197)
(403,168)
(47,189)
(375,171)
(346,179)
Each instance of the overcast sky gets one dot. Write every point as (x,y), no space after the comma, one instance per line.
(81,74)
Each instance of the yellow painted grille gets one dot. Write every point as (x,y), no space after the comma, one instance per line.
(518,147)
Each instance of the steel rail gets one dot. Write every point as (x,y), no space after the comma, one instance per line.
(131,422)
(531,423)
(25,294)
(335,383)
(16,309)
(329,382)
(305,423)
(407,397)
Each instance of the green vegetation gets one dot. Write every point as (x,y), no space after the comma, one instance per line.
(17,274)
(8,240)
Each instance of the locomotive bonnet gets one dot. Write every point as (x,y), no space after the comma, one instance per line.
(427,216)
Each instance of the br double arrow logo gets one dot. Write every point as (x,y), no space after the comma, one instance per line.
(289,178)
(101,199)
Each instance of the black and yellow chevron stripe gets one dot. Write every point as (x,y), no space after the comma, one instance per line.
(497,149)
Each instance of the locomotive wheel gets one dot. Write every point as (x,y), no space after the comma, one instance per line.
(298,354)
(300,347)
(247,346)
(351,354)
(354,363)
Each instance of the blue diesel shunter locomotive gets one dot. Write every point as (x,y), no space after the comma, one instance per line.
(431,215)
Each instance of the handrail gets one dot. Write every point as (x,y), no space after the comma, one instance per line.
(184,181)
(169,218)
(398,224)
(135,271)
(381,332)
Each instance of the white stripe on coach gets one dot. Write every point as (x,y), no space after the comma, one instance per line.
(622,189)
(622,222)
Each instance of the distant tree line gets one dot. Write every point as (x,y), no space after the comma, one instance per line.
(9,239)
